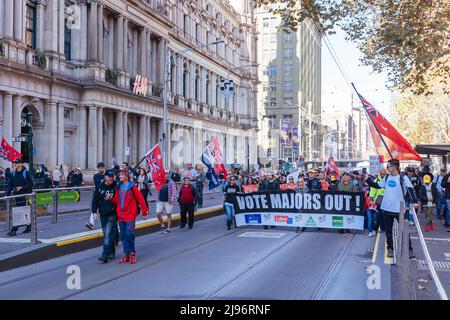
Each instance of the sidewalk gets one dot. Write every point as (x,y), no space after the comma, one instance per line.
(72,225)
(438,243)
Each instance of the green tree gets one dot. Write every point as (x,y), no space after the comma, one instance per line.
(405,38)
(425,118)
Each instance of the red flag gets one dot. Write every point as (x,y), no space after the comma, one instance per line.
(398,146)
(9,153)
(332,166)
(156,168)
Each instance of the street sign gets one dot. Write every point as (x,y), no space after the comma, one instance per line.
(227,87)
(68,196)
(20,139)
(375,165)
(43,199)
(21,216)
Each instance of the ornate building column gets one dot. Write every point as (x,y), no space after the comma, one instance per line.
(82,137)
(92,138)
(93,32)
(118,137)
(100,156)
(60,133)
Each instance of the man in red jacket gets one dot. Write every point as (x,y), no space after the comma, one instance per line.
(126,199)
(187,200)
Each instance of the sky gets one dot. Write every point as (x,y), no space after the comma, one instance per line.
(335,91)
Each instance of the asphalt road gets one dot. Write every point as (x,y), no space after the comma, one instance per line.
(209,262)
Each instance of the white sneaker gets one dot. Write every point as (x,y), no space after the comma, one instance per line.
(370,234)
(411,223)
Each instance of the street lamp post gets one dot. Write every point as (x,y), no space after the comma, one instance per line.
(166,69)
(30,140)
(226,104)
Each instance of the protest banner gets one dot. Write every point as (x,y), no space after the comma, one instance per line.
(318,209)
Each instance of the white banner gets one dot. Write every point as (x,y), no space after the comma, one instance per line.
(309,220)
(21,216)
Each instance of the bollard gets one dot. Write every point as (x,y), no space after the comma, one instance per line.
(55,207)
(33,221)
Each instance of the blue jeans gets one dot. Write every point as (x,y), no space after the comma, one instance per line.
(372,220)
(447,214)
(442,203)
(229,209)
(127,230)
(109,227)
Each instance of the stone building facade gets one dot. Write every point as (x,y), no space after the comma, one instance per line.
(75,65)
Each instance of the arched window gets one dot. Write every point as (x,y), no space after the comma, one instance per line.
(208,86)
(185,79)
(197,85)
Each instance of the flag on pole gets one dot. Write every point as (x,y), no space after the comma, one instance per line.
(381,129)
(8,153)
(332,166)
(155,166)
(212,158)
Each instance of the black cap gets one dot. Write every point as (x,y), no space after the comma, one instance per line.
(100,165)
(345,174)
(18,160)
(110,173)
(410,169)
(356,172)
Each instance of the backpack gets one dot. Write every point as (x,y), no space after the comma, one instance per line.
(24,174)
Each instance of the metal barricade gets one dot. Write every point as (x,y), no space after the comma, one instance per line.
(401,237)
(28,213)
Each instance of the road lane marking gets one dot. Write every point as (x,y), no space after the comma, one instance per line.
(256,234)
(433,239)
(375,250)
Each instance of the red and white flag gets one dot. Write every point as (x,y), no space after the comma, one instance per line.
(394,143)
(9,153)
(155,166)
(332,166)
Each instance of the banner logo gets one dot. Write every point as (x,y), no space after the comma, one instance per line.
(338,222)
(253,218)
(310,222)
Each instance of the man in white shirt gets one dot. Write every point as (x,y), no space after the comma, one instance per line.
(56,177)
(396,188)
(190,173)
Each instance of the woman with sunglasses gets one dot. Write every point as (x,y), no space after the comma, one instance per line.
(230,188)
(291,183)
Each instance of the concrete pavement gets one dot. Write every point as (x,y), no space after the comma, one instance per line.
(209,262)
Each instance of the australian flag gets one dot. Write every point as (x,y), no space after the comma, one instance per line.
(208,160)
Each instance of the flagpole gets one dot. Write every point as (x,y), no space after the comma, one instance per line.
(370,119)
(143,158)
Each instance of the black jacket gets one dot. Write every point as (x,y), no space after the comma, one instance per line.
(446,185)
(313,184)
(423,194)
(98,179)
(269,186)
(19,179)
(101,199)
(42,181)
(76,180)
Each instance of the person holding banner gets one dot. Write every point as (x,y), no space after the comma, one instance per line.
(230,188)
(302,188)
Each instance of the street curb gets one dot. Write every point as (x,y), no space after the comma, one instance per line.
(43,251)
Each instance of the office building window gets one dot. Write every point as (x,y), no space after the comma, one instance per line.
(287,36)
(288,101)
(68,42)
(273,102)
(273,53)
(265,22)
(273,38)
(287,53)
(273,22)
(31,25)
(272,70)
(265,39)
(287,70)
(287,86)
